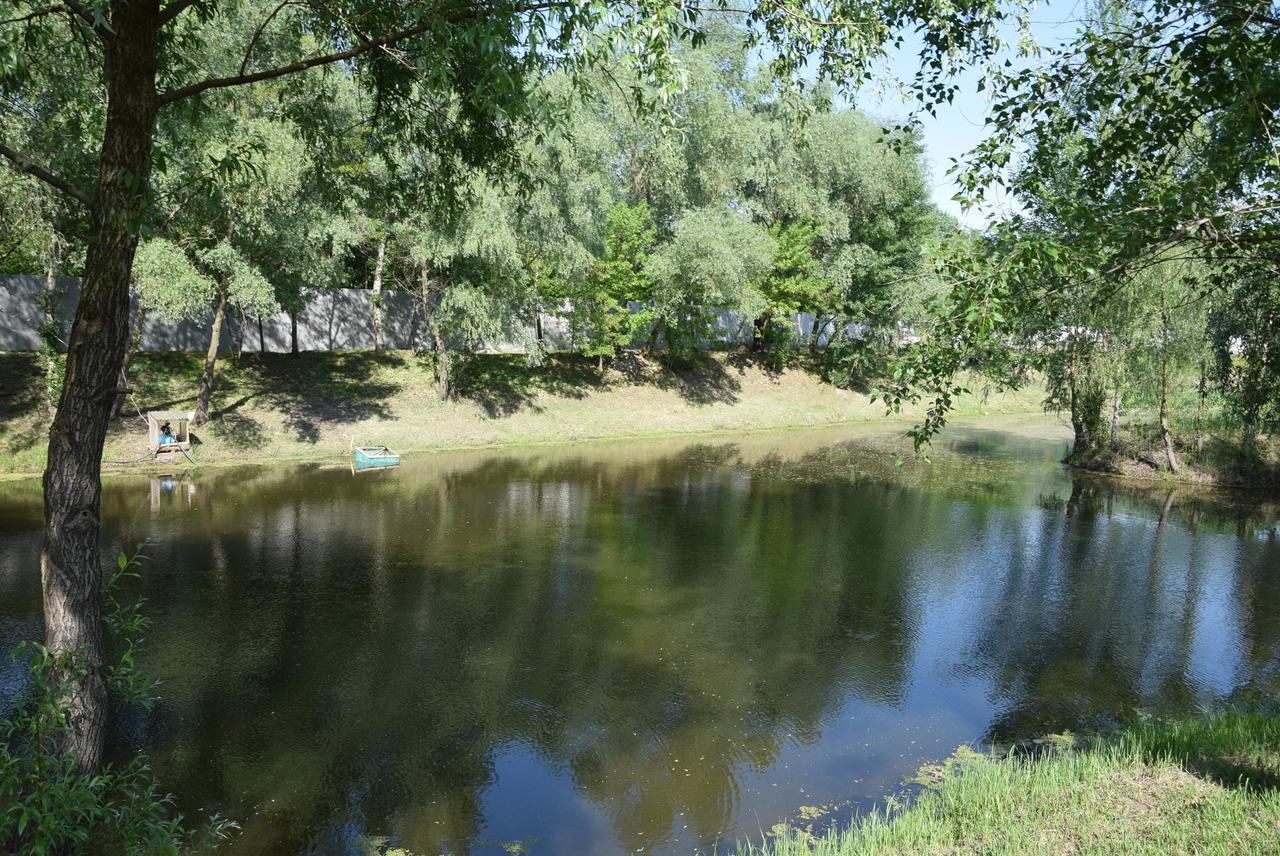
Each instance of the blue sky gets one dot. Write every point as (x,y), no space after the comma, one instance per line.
(959,126)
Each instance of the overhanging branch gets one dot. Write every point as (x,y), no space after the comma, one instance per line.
(174,9)
(27,166)
(95,22)
(295,67)
(31,16)
(360,48)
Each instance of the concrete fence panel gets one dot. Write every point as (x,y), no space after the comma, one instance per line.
(332,320)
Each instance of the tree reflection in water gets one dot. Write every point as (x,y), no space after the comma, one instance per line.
(620,647)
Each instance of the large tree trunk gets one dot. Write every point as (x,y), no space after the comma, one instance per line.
(293,331)
(815,333)
(441,360)
(377,295)
(135,340)
(652,342)
(70,552)
(210,361)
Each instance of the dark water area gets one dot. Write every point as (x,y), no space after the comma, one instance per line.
(650,647)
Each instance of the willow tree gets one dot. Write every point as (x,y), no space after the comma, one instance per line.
(1187,170)
(179,284)
(475,61)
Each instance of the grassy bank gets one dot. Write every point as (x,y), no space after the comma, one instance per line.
(311,405)
(1208,785)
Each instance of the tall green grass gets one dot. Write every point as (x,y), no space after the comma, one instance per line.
(1207,785)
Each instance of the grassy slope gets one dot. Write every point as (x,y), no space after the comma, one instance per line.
(310,405)
(1207,785)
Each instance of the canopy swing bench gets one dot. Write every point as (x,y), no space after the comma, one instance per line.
(168,431)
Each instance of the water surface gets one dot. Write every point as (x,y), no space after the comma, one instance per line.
(650,646)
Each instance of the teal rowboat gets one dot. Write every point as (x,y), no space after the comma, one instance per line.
(372,457)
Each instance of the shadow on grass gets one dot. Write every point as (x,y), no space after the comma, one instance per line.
(1233,749)
(700,378)
(1233,772)
(1236,462)
(239,431)
(20,396)
(504,384)
(311,390)
(316,389)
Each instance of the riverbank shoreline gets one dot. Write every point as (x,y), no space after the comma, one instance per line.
(313,406)
(1218,458)
(1200,784)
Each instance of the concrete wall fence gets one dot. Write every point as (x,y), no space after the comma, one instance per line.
(333,320)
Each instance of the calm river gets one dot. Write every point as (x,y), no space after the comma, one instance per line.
(650,646)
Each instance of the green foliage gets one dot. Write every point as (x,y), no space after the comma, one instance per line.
(53,345)
(793,283)
(1184,175)
(1244,328)
(24,240)
(600,313)
(47,804)
(244,284)
(1190,161)
(778,344)
(168,282)
(713,259)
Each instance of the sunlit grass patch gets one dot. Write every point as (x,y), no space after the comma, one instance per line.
(1205,785)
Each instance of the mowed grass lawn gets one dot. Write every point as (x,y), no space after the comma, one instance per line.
(312,405)
(1208,785)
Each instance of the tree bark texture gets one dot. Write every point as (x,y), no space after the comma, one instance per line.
(70,554)
(50,319)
